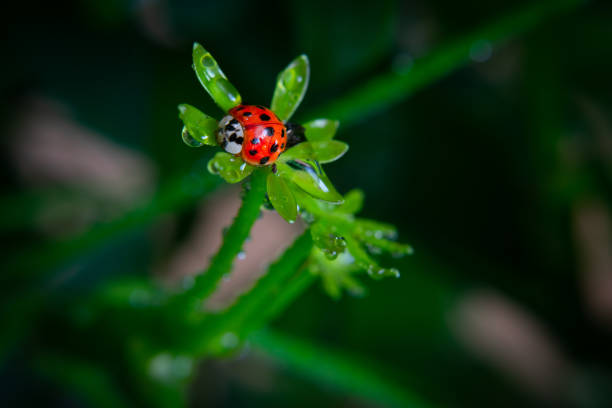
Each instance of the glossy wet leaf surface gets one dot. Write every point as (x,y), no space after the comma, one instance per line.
(291,85)
(319,130)
(281,197)
(231,168)
(214,80)
(308,175)
(353,202)
(199,128)
(323,151)
(328,151)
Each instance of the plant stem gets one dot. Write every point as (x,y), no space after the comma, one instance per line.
(248,312)
(380,92)
(221,264)
(336,369)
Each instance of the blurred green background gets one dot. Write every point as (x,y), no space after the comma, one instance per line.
(499,173)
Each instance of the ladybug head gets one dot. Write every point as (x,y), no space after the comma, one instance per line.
(230,135)
(295,134)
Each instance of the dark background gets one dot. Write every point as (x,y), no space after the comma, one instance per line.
(499,175)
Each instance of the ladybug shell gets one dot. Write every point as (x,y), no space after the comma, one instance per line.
(265,135)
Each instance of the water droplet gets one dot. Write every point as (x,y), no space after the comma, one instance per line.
(379,234)
(241,255)
(166,367)
(331,255)
(373,249)
(290,79)
(190,140)
(229,340)
(481,51)
(208,61)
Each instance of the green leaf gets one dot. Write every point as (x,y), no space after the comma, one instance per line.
(378,229)
(353,202)
(199,128)
(333,368)
(329,151)
(291,86)
(365,262)
(327,239)
(323,151)
(281,197)
(336,274)
(301,151)
(320,130)
(231,168)
(214,80)
(308,175)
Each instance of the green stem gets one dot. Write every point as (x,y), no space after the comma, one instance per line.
(385,90)
(335,369)
(222,262)
(249,312)
(291,290)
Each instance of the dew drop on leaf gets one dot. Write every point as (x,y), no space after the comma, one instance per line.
(208,61)
(224,89)
(229,340)
(290,79)
(190,140)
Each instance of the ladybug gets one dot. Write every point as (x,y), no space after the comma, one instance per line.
(256,134)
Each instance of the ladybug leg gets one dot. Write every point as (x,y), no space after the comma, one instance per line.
(274,168)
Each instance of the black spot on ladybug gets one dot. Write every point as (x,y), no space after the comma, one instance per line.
(255,140)
(264,160)
(247,114)
(263,116)
(283,133)
(261,107)
(239,140)
(229,128)
(233,122)
(269,131)
(274,148)
(232,138)
(253,152)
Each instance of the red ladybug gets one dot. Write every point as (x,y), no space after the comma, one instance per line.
(254,132)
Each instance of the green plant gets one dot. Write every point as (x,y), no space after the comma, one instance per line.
(152,336)
(295,184)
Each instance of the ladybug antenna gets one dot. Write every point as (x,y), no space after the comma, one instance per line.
(295,134)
